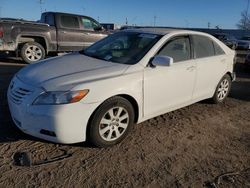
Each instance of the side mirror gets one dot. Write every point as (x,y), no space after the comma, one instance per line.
(98,28)
(165,61)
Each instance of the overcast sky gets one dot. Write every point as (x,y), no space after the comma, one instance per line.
(176,13)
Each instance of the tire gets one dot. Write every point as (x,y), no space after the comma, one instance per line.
(32,52)
(111,122)
(222,90)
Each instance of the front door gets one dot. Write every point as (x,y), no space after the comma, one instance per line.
(168,88)
(92,31)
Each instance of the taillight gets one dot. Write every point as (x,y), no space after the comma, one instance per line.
(235,59)
(1,32)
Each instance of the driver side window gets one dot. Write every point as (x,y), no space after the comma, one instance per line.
(89,24)
(177,48)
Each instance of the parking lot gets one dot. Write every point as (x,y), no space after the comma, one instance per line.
(191,147)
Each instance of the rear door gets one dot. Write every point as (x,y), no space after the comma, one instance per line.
(211,62)
(69,33)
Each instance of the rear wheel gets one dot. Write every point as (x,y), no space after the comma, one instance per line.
(222,89)
(111,122)
(32,52)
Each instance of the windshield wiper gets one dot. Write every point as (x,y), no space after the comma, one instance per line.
(93,55)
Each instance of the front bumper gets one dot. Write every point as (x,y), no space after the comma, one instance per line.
(65,124)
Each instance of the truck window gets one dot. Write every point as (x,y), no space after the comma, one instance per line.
(89,24)
(49,19)
(69,21)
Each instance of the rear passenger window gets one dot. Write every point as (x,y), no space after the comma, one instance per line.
(203,46)
(178,49)
(217,49)
(69,21)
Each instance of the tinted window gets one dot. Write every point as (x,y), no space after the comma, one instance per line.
(70,21)
(203,46)
(49,19)
(178,49)
(217,49)
(89,24)
(245,38)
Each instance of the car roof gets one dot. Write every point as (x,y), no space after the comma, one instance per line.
(173,31)
(69,14)
(162,31)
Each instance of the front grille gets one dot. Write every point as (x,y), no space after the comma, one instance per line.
(18,94)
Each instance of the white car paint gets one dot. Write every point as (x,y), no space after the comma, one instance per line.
(156,90)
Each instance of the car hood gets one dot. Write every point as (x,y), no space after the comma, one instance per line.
(63,73)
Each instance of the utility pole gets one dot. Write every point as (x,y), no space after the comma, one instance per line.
(187,23)
(208,25)
(245,24)
(0,11)
(41,8)
(155,17)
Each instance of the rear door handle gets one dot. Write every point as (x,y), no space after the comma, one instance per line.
(191,68)
(223,60)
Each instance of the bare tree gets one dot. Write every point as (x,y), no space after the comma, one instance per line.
(244,22)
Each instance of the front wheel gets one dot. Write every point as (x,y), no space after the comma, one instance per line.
(111,122)
(32,52)
(222,89)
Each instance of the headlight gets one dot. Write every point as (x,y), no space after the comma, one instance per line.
(60,97)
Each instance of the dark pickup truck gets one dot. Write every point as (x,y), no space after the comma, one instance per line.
(55,32)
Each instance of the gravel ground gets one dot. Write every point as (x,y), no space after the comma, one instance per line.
(202,145)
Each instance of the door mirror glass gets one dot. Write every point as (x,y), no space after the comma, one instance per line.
(162,61)
(98,28)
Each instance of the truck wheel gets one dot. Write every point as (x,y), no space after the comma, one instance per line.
(32,52)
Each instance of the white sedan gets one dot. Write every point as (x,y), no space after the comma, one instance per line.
(129,77)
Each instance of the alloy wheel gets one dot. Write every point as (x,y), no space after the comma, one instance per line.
(33,53)
(223,89)
(114,123)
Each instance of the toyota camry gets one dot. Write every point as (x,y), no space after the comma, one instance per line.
(98,94)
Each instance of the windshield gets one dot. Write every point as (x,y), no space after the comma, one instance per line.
(123,47)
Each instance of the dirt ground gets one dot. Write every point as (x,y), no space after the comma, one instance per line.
(203,145)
